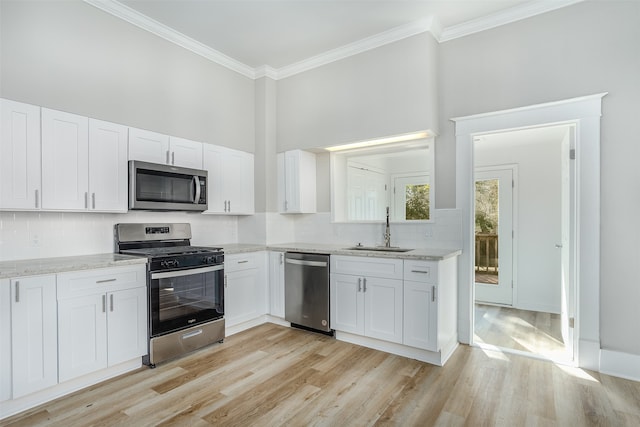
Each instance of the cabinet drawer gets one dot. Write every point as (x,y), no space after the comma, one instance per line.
(421,271)
(386,268)
(90,282)
(239,262)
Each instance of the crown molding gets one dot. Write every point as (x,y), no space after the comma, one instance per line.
(429,24)
(134,17)
(507,16)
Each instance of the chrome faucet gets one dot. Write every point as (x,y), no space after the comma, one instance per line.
(387,232)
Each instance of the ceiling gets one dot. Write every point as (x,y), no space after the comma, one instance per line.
(277,33)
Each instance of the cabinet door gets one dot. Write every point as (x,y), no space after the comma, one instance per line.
(5,340)
(292,181)
(108,173)
(276,284)
(127,325)
(34,334)
(213,162)
(296,182)
(241,297)
(82,335)
(65,146)
(383,308)
(19,155)
(347,303)
(420,315)
(185,153)
(148,146)
(239,182)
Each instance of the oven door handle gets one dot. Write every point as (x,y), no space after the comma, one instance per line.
(196,181)
(167,274)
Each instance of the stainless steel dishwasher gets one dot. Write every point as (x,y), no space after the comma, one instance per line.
(306,296)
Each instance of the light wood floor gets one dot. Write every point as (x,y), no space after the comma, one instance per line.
(530,331)
(272,376)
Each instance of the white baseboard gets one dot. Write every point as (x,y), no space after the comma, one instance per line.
(618,364)
(589,355)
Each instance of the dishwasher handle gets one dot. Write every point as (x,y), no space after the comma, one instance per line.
(306,263)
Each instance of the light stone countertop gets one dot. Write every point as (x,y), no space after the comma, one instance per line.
(434,254)
(39,266)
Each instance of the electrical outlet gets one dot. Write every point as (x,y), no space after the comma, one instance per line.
(428,232)
(35,240)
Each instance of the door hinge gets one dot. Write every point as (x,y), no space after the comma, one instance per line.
(572,322)
(572,154)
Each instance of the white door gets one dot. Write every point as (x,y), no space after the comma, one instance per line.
(148,146)
(19,155)
(108,172)
(494,236)
(185,153)
(126,325)
(65,160)
(383,308)
(82,335)
(347,303)
(34,334)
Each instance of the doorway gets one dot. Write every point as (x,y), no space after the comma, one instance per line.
(584,114)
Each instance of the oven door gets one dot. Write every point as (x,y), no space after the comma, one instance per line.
(179,299)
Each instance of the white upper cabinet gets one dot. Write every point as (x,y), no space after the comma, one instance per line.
(19,155)
(230,187)
(148,146)
(296,182)
(65,157)
(166,150)
(84,163)
(185,153)
(108,182)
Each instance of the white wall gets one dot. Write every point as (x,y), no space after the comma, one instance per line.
(587,48)
(385,91)
(537,213)
(71,56)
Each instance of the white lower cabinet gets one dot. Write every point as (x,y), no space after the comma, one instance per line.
(276,284)
(245,287)
(366,304)
(420,315)
(102,319)
(34,337)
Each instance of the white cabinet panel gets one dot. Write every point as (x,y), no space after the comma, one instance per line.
(127,325)
(34,335)
(276,284)
(20,182)
(383,308)
(420,315)
(347,303)
(245,295)
(230,180)
(296,171)
(185,153)
(64,161)
(108,174)
(5,340)
(82,335)
(148,146)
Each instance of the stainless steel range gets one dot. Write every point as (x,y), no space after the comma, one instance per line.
(185,288)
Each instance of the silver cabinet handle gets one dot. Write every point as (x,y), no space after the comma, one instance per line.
(173,157)
(104,303)
(229,205)
(111,302)
(364,284)
(359,284)
(433,294)
(37,199)
(281,258)
(244,261)
(225,205)
(167,156)
(93,200)
(419,271)
(286,205)
(86,200)
(106,280)
(17,291)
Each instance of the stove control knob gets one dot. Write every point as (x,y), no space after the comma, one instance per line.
(209,260)
(169,263)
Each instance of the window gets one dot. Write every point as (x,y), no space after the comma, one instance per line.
(412,198)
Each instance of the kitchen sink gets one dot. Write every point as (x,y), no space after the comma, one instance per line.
(378,249)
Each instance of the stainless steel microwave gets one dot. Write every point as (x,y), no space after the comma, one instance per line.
(155,187)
